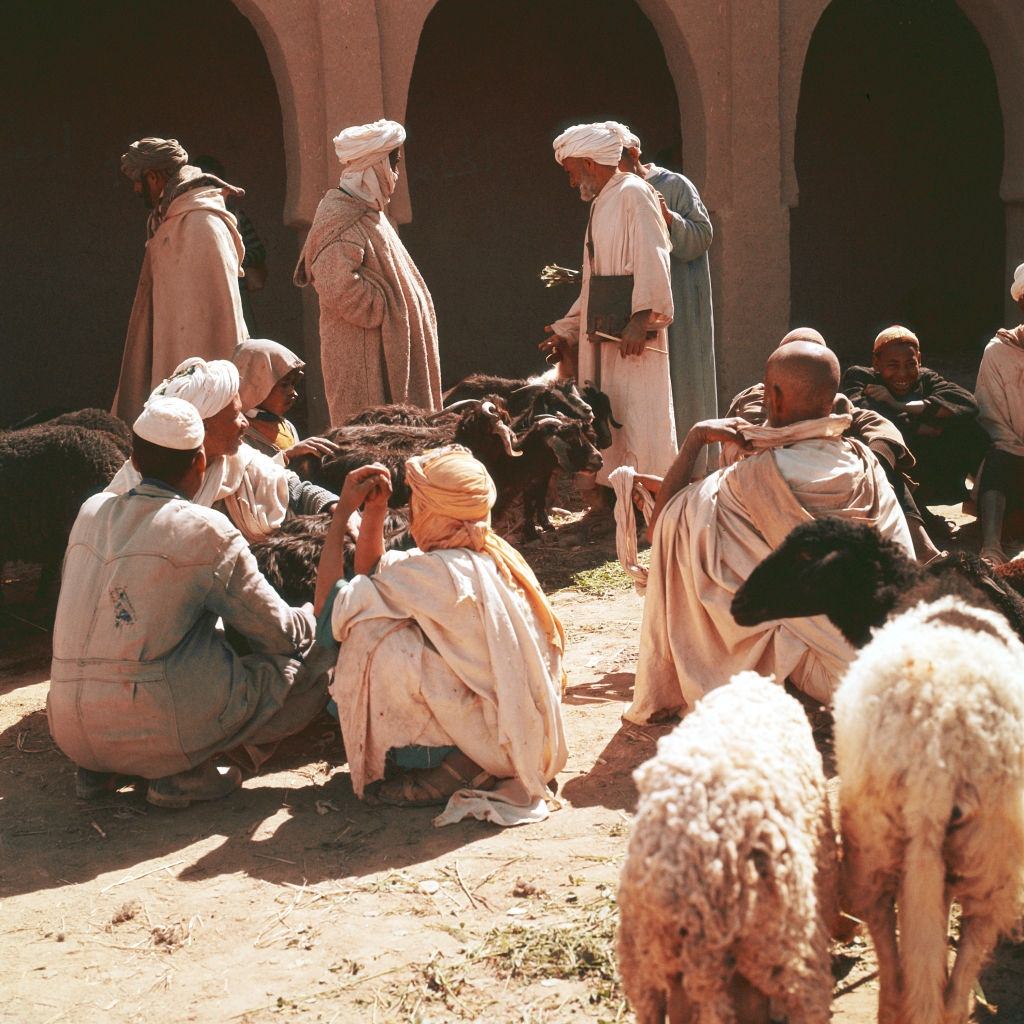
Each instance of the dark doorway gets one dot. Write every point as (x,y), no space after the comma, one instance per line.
(492,85)
(899,152)
(82,81)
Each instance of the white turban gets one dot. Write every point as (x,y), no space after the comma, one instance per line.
(1017,288)
(365,168)
(209,386)
(170,423)
(629,139)
(599,142)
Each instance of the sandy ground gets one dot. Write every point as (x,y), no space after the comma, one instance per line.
(291,901)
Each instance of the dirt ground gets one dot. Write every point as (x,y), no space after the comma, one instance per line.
(291,901)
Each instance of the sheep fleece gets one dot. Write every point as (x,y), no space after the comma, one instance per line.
(731,862)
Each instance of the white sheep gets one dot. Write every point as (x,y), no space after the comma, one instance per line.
(727,894)
(929,726)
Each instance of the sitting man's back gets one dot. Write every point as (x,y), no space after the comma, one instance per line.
(710,536)
(144,681)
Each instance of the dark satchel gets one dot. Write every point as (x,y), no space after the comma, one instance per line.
(610,301)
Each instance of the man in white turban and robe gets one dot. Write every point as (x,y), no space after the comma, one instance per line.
(708,537)
(253,490)
(691,335)
(187,301)
(144,682)
(452,646)
(626,235)
(378,330)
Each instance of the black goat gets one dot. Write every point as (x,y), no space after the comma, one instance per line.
(525,399)
(46,472)
(483,427)
(604,418)
(397,414)
(290,558)
(551,443)
(857,578)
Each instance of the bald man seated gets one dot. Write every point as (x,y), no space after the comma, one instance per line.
(880,434)
(709,535)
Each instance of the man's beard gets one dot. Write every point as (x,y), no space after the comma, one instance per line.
(587,190)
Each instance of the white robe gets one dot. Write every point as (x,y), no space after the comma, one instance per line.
(187,302)
(708,540)
(437,650)
(630,237)
(1000,394)
(252,487)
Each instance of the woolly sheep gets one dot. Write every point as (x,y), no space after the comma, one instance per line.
(929,727)
(853,575)
(727,891)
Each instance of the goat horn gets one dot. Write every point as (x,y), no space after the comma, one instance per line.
(489,409)
(533,388)
(459,405)
(547,419)
(507,439)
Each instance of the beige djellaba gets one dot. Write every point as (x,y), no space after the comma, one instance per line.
(378,329)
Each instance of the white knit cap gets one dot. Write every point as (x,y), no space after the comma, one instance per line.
(209,386)
(599,142)
(1017,288)
(170,423)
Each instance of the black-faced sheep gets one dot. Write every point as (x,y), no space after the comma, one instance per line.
(727,892)
(46,472)
(857,578)
(929,725)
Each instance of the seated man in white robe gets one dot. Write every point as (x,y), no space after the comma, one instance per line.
(144,683)
(450,645)
(708,537)
(252,490)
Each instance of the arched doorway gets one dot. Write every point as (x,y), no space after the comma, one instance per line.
(899,153)
(491,87)
(83,81)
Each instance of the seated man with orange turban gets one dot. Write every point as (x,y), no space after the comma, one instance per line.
(452,644)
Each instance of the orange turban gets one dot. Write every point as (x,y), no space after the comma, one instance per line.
(452,498)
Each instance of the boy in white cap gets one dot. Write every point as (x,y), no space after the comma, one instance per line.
(1001,412)
(144,683)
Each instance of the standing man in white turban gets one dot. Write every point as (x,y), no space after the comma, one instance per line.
(144,682)
(187,300)
(250,488)
(378,330)
(626,237)
(691,337)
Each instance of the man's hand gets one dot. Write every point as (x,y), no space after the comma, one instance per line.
(318,446)
(553,345)
(665,211)
(634,335)
(376,503)
(721,430)
(358,486)
(880,393)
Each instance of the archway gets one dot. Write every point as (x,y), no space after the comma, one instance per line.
(491,87)
(899,154)
(85,80)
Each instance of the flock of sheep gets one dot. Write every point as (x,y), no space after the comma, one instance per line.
(734,878)
(733,881)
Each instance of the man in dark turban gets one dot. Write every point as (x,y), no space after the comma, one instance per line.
(187,301)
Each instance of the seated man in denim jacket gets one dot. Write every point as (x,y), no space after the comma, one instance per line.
(144,682)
